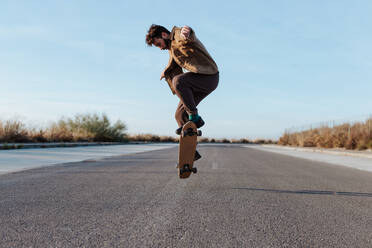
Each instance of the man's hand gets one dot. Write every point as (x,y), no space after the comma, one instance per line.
(162,76)
(185,32)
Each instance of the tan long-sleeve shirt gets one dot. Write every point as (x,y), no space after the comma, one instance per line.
(189,54)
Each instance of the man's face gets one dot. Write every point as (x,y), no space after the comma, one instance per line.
(163,42)
(159,42)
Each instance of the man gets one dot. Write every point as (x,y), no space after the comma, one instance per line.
(185,52)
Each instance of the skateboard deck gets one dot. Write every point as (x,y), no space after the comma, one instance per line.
(187,147)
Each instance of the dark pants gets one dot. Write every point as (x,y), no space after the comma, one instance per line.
(191,88)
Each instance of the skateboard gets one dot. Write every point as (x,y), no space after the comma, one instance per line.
(187,148)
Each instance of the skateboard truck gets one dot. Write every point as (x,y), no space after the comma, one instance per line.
(191,132)
(186,168)
(196,157)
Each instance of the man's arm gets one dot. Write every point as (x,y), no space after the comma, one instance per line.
(172,70)
(169,77)
(187,33)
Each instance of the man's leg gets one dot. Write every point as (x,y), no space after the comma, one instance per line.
(181,114)
(182,117)
(191,88)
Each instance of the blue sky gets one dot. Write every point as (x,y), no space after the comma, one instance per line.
(282,63)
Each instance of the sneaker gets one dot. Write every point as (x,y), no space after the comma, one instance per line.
(197,120)
(179,130)
(199,123)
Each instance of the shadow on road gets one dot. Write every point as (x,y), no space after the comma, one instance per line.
(310,192)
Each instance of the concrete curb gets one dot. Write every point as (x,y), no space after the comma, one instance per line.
(340,152)
(12,146)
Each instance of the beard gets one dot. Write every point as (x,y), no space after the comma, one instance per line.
(167,43)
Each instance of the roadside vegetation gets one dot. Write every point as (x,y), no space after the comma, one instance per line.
(89,128)
(81,128)
(170,139)
(348,136)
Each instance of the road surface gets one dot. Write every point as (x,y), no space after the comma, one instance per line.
(241,197)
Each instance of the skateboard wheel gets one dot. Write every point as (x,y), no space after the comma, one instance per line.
(199,133)
(194,170)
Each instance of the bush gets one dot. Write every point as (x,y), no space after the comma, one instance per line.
(13,131)
(204,140)
(87,127)
(38,136)
(99,127)
(83,127)
(356,136)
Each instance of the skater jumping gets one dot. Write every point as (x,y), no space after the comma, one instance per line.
(188,53)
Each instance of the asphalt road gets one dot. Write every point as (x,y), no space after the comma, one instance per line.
(241,197)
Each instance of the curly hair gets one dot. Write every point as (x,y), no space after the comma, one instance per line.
(155,32)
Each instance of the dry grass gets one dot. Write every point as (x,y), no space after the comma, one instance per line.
(83,127)
(349,136)
(91,128)
(236,141)
(156,138)
(151,138)
(13,131)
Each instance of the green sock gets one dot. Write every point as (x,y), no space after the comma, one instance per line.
(194,118)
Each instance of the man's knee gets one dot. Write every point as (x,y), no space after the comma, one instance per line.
(177,115)
(180,116)
(178,82)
